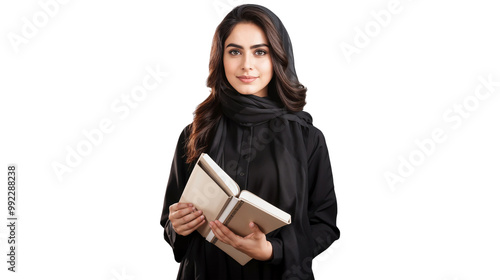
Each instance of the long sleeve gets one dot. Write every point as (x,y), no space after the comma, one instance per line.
(175,186)
(322,207)
(277,244)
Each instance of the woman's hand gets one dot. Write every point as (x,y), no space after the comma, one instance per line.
(255,244)
(184,218)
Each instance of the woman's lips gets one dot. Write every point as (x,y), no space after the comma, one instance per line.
(247,79)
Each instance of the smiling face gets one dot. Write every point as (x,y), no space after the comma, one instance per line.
(247,61)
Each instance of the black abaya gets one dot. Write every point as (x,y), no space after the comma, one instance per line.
(249,159)
(276,154)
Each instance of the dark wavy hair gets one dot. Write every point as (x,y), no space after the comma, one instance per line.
(283,87)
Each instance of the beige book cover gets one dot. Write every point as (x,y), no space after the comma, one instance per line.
(205,194)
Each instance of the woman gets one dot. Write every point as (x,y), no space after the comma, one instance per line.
(252,124)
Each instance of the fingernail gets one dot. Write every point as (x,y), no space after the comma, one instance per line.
(252,224)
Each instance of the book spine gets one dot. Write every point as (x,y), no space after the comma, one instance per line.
(211,235)
(228,219)
(223,207)
(235,210)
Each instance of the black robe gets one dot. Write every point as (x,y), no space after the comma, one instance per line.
(250,159)
(274,153)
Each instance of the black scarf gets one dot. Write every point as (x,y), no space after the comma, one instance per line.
(251,110)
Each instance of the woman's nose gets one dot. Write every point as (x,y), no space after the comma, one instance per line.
(247,63)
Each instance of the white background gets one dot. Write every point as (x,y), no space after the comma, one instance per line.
(101,220)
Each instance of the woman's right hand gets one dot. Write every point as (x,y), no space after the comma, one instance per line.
(185,218)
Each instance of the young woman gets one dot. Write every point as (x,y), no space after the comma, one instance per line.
(253,125)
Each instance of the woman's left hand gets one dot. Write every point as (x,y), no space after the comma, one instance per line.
(255,244)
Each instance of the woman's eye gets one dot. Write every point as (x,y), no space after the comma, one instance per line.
(260,52)
(234,52)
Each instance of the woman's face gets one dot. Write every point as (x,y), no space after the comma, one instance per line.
(247,61)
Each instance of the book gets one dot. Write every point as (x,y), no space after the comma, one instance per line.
(213,191)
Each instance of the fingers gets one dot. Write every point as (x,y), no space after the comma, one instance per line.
(256,232)
(181,218)
(178,206)
(185,218)
(224,230)
(254,244)
(225,235)
(184,213)
(192,225)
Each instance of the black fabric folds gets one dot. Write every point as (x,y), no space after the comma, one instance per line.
(249,110)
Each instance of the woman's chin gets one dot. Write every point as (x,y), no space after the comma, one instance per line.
(252,92)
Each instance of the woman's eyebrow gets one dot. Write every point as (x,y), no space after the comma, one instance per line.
(251,47)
